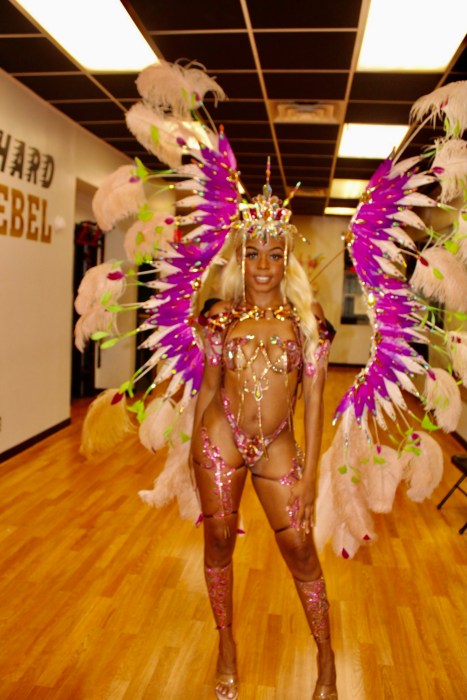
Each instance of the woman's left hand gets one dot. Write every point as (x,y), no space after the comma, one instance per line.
(301,505)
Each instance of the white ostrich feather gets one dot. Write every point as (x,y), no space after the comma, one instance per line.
(443,398)
(105,425)
(158,134)
(451,289)
(457,348)
(409,217)
(120,195)
(449,100)
(403,166)
(395,394)
(401,237)
(154,429)
(423,472)
(417,199)
(419,180)
(451,156)
(391,250)
(344,543)
(96,283)
(388,267)
(148,237)
(325,510)
(383,477)
(460,236)
(386,406)
(406,383)
(97,318)
(177,89)
(175,482)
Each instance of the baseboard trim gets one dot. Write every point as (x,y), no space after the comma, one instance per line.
(13,451)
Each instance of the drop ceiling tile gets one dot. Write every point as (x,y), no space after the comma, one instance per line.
(305,50)
(106,130)
(90,111)
(306,161)
(307,147)
(14,22)
(306,86)
(62,87)
(252,130)
(311,132)
(186,15)
(392,87)
(240,86)
(224,51)
(253,146)
(296,13)
(121,85)
(30,54)
(238,110)
(378,112)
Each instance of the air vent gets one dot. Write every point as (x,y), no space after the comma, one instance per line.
(307,112)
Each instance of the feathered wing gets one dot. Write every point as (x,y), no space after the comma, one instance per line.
(179,243)
(403,313)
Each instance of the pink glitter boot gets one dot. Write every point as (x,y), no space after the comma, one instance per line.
(316,606)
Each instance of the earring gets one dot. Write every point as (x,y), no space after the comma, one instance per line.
(286,260)
(243,268)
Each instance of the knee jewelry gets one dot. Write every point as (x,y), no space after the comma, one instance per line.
(219,580)
(313,596)
(222,473)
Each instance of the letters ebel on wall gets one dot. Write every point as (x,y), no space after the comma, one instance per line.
(24,214)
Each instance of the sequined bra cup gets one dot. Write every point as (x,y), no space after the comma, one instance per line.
(233,352)
(290,358)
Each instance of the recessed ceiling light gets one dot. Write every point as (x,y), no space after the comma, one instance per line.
(370,140)
(99,34)
(339,211)
(347,189)
(412,35)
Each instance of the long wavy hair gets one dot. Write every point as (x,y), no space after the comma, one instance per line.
(295,287)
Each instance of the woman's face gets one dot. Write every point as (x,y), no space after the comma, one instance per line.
(264,265)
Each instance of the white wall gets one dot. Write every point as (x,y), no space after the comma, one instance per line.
(352,342)
(36,275)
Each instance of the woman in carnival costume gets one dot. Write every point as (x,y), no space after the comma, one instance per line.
(230,377)
(265,341)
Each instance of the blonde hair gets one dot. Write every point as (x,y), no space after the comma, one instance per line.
(295,287)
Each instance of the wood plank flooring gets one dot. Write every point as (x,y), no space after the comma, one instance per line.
(103,598)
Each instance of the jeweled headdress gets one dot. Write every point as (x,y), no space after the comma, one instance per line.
(267,215)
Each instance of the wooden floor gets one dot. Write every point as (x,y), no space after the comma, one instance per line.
(103,598)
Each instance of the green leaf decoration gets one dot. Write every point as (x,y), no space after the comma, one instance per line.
(145,213)
(123,388)
(109,343)
(184,437)
(451,246)
(155,135)
(411,448)
(114,308)
(98,335)
(427,424)
(378,460)
(140,238)
(438,274)
(139,258)
(355,480)
(141,171)
(343,469)
(105,297)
